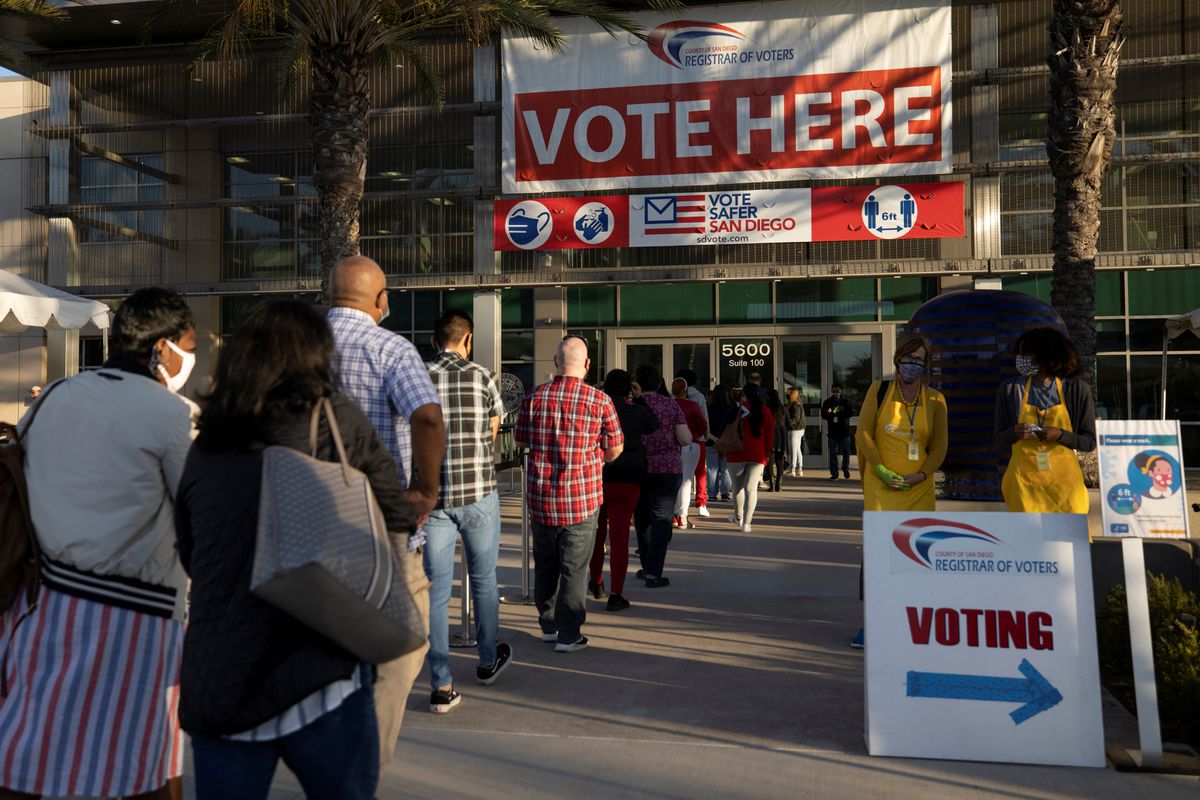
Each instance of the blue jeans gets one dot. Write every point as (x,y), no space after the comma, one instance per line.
(652,519)
(336,757)
(719,482)
(479,524)
(839,443)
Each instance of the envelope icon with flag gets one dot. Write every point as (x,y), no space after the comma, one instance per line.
(660,209)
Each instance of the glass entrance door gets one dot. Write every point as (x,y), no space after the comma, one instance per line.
(813,364)
(670,357)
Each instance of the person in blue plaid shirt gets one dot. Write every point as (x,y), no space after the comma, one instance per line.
(469,504)
(384,374)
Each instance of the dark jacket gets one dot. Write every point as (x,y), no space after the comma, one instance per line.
(244,661)
(637,420)
(1081,408)
(841,408)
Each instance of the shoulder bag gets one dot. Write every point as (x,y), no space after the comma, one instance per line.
(323,555)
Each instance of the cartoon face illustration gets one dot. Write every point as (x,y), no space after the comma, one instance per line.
(1161,474)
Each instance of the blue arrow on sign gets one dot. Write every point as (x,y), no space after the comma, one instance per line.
(1034,691)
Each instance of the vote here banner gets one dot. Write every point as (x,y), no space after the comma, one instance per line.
(823,214)
(732,94)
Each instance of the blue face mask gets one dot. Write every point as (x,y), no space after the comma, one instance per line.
(910,372)
(1027,366)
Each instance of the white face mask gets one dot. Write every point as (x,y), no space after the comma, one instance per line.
(175,382)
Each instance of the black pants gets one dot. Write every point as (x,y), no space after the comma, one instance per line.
(652,519)
(775,468)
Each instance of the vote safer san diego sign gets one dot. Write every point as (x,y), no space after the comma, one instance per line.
(981,638)
(672,219)
(736,93)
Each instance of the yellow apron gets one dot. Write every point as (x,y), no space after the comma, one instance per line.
(1044,477)
(892,437)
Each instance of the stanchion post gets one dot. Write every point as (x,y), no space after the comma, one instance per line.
(466,632)
(525,598)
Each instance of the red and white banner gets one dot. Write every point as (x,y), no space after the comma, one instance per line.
(732,94)
(822,214)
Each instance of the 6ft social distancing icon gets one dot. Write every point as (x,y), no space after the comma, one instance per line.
(889,212)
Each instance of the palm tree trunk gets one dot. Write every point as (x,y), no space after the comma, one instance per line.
(1085,40)
(338,120)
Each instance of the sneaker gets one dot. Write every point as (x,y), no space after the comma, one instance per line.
(442,702)
(550,637)
(745,529)
(617,603)
(799,473)
(734,519)
(858,642)
(833,477)
(597,590)
(689,524)
(847,473)
(658,583)
(725,498)
(704,511)
(641,575)
(571,647)
(487,675)
(675,522)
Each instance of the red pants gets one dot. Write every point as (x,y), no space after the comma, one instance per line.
(702,479)
(620,499)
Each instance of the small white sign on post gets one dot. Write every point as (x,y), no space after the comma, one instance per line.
(1141,478)
(1141,483)
(981,638)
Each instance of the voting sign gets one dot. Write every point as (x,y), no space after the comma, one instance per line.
(761,216)
(1141,479)
(981,638)
(740,93)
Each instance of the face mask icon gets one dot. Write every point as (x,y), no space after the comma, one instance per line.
(523,229)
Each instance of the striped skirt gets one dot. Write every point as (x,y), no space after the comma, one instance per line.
(93,696)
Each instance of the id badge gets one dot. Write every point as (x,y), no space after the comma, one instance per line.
(914,453)
(1043,461)
(835,419)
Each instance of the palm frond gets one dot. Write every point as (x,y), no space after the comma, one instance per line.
(525,21)
(32,9)
(292,63)
(406,50)
(161,9)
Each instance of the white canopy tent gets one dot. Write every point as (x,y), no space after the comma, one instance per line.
(29,304)
(1176,327)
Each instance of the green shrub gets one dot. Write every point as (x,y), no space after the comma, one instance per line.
(1173,615)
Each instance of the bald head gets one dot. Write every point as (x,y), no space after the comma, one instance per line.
(572,357)
(358,282)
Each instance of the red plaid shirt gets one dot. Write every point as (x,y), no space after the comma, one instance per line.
(567,425)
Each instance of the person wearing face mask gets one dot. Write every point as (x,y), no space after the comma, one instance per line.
(901,438)
(383,373)
(1042,415)
(837,411)
(94,659)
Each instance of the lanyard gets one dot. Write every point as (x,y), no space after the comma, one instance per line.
(1041,413)
(912,417)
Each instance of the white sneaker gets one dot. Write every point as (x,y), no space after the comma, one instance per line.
(704,511)
(745,529)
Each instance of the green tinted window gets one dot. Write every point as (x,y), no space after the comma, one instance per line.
(823,300)
(900,297)
(426,307)
(744,302)
(591,305)
(1033,285)
(462,300)
(667,304)
(1164,291)
(516,308)
(1110,294)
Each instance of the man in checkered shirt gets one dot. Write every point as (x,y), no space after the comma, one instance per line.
(384,374)
(469,504)
(571,430)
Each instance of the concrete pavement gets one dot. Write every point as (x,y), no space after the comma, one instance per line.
(736,681)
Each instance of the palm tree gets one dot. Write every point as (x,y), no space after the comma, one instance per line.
(28,9)
(338,41)
(1085,42)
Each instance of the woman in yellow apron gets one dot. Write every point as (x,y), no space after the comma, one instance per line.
(905,434)
(1044,415)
